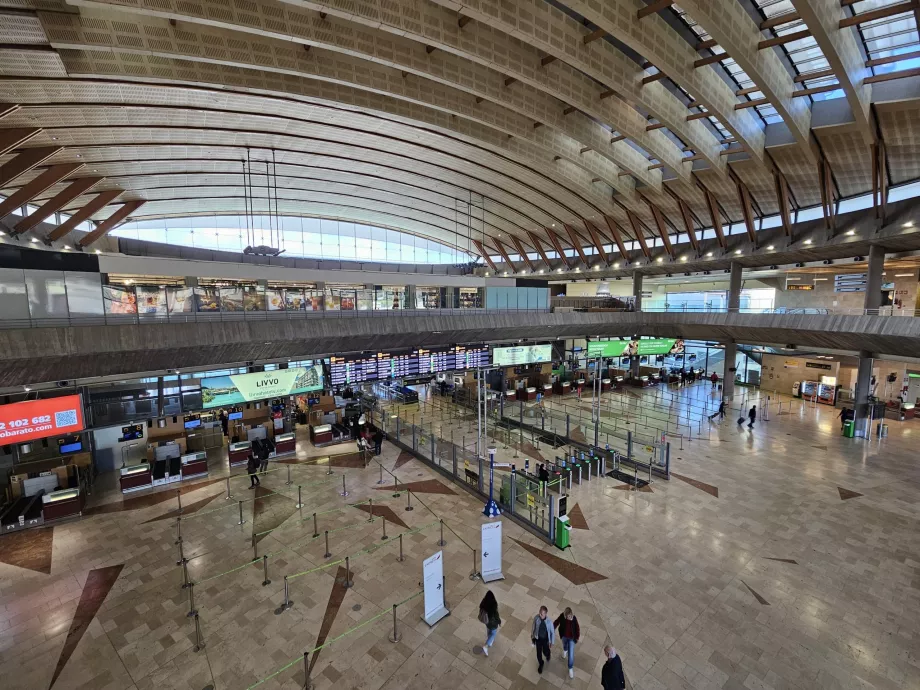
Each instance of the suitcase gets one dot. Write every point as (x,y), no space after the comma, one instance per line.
(740,421)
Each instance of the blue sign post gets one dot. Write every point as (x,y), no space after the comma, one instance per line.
(491,510)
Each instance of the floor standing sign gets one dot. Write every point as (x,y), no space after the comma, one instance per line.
(433,580)
(492,551)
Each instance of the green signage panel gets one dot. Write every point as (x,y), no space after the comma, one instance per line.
(644,346)
(223,391)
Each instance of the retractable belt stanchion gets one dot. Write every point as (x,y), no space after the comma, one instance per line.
(395,637)
(228,497)
(265,581)
(199,644)
(328,553)
(384,537)
(315,531)
(241,514)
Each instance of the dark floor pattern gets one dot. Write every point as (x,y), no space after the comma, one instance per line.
(187,509)
(270,511)
(846,494)
(574,573)
(383,511)
(760,599)
(702,486)
(148,500)
(96,589)
(781,560)
(577,518)
(336,597)
(429,486)
(29,549)
(402,459)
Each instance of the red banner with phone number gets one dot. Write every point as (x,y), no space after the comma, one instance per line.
(27,421)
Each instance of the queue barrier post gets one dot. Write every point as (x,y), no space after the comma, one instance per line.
(401,557)
(474,574)
(299,498)
(384,537)
(287,603)
(395,637)
(315,531)
(395,486)
(178,529)
(179,499)
(181,554)
(344,490)
(199,644)
(409,501)
(370,504)
(192,611)
(266,581)
(328,553)
(242,521)
(348,582)
(441,541)
(228,496)
(307,685)
(185,580)
(380,481)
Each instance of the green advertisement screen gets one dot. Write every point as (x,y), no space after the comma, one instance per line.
(222,391)
(522,354)
(645,346)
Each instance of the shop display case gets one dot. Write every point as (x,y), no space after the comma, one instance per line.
(62,504)
(547,389)
(239,453)
(194,465)
(136,477)
(562,387)
(285,444)
(320,434)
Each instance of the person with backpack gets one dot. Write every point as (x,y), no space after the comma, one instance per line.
(612,677)
(567,624)
(752,415)
(542,636)
(252,467)
(488,616)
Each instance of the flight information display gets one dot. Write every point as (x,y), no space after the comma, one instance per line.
(406,364)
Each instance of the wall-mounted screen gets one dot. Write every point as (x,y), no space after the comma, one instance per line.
(33,419)
(521,354)
(223,391)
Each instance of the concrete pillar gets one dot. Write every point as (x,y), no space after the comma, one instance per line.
(160,400)
(410,296)
(863,390)
(874,277)
(728,373)
(637,294)
(734,287)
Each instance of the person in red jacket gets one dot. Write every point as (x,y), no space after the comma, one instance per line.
(567,625)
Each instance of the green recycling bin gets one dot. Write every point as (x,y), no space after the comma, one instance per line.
(562,532)
(848,427)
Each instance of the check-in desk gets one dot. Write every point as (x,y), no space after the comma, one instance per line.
(194,465)
(285,444)
(239,453)
(562,387)
(619,382)
(580,384)
(606,385)
(62,504)
(527,394)
(321,434)
(135,478)
(547,390)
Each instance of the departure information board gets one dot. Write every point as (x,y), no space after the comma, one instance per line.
(406,364)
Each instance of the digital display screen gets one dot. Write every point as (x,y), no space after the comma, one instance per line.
(235,415)
(192,423)
(69,448)
(406,364)
(26,421)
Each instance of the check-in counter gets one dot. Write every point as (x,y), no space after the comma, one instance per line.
(606,385)
(62,504)
(562,387)
(194,465)
(513,395)
(529,393)
(135,478)
(285,444)
(619,382)
(321,433)
(580,384)
(239,453)
(547,390)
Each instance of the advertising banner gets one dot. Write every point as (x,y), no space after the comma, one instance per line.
(222,391)
(433,582)
(644,346)
(523,354)
(33,419)
(492,551)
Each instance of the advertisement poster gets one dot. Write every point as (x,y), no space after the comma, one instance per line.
(492,551)
(119,300)
(181,300)
(433,582)
(275,300)
(644,346)
(34,419)
(522,354)
(221,391)
(253,299)
(151,299)
(208,298)
(231,298)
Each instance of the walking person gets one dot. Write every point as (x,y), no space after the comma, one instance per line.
(570,633)
(488,616)
(263,457)
(252,467)
(378,441)
(612,677)
(715,379)
(720,413)
(542,636)
(752,415)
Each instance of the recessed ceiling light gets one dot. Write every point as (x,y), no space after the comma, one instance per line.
(903,275)
(737,251)
(540,271)
(26,389)
(770,248)
(851,232)
(558,270)
(506,272)
(709,254)
(578,270)
(79,155)
(597,268)
(33,240)
(616,265)
(659,259)
(98,252)
(683,258)
(908,224)
(807,242)
(487,273)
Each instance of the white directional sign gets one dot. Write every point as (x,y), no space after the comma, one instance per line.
(433,580)
(492,551)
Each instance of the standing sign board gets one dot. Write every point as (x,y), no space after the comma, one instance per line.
(492,551)
(433,580)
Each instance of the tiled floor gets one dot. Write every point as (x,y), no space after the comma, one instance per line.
(782,557)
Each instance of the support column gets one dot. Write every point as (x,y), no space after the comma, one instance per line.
(728,373)
(637,295)
(160,397)
(734,287)
(874,277)
(863,390)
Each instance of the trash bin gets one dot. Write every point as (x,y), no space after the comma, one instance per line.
(848,428)
(881,430)
(562,532)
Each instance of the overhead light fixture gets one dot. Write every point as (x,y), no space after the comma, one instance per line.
(817,279)
(616,265)
(487,274)
(903,275)
(558,270)
(908,224)
(807,242)
(26,389)
(770,248)
(577,269)
(709,254)
(683,258)
(506,272)
(851,232)
(98,252)
(737,251)
(597,268)
(659,259)
(33,240)
(540,271)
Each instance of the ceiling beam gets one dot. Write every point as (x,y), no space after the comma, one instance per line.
(33,188)
(654,8)
(25,161)
(101,200)
(844,57)
(662,227)
(539,247)
(744,198)
(593,36)
(520,250)
(713,207)
(501,250)
(76,188)
(595,238)
(7,108)
(779,20)
(485,255)
(576,242)
(880,13)
(638,233)
(109,223)
(16,136)
(687,218)
(782,200)
(554,239)
(617,236)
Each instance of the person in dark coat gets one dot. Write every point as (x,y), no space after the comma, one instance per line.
(252,467)
(488,616)
(612,677)
(752,415)
(567,624)
(378,442)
